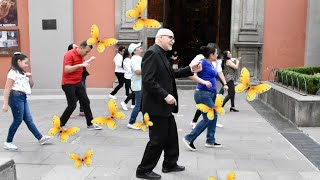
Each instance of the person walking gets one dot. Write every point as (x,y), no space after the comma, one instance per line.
(217,65)
(230,65)
(73,64)
(160,100)
(119,71)
(127,80)
(18,86)
(205,94)
(136,51)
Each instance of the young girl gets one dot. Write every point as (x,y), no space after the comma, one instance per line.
(18,85)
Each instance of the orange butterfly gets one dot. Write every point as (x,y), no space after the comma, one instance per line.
(251,89)
(78,161)
(64,134)
(146,122)
(115,114)
(210,111)
(141,22)
(100,43)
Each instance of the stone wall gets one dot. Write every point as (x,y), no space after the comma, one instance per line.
(301,110)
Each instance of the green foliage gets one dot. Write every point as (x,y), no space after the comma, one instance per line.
(305,79)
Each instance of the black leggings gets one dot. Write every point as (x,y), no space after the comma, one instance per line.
(130,96)
(120,77)
(231,94)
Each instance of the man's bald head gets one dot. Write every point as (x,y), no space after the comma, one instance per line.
(165,39)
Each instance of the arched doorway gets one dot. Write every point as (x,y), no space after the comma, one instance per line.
(195,23)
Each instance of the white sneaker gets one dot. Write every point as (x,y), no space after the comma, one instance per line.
(124,106)
(219,125)
(94,127)
(112,96)
(10,146)
(45,139)
(193,125)
(215,145)
(131,126)
(132,106)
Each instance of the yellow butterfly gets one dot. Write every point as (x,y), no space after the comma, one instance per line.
(64,134)
(146,122)
(231,176)
(210,111)
(251,89)
(78,161)
(100,43)
(141,22)
(109,120)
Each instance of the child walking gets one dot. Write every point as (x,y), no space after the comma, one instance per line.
(18,85)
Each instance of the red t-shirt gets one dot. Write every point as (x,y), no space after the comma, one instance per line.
(72,58)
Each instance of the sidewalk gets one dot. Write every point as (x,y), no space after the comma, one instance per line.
(251,146)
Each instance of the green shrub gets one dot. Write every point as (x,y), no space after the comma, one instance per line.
(300,78)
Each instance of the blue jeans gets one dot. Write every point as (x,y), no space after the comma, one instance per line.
(136,109)
(208,98)
(20,111)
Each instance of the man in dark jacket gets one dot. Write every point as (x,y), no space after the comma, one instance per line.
(160,100)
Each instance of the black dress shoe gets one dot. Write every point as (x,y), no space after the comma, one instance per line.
(176,168)
(148,175)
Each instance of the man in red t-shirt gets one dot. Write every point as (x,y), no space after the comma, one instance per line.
(73,64)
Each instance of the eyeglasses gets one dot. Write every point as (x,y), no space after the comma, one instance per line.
(170,37)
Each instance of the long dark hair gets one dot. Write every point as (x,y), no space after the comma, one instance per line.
(14,62)
(225,58)
(207,50)
(125,55)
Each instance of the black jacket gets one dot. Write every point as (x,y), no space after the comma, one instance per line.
(158,80)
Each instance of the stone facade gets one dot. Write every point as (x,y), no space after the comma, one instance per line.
(246,38)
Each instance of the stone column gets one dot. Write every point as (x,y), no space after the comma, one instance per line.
(248,37)
(312,49)
(126,34)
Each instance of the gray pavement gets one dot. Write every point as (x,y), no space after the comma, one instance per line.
(251,146)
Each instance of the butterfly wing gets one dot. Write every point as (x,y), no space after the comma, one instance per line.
(142,126)
(100,120)
(212,178)
(146,119)
(138,25)
(112,105)
(244,80)
(231,176)
(210,114)
(87,158)
(107,42)
(94,35)
(111,124)
(136,13)
(203,108)
(218,104)
(77,160)
(151,23)
(258,89)
(55,126)
(64,136)
(119,115)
